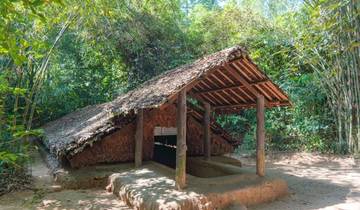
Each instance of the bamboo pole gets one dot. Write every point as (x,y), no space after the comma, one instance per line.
(180,172)
(260,136)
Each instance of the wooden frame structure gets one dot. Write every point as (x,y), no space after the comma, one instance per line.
(236,85)
(224,82)
(227,89)
(139,136)
(180,173)
(207,137)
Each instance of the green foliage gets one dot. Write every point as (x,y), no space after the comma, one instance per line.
(116,46)
(7,158)
(20,46)
(271,42)
(58,56)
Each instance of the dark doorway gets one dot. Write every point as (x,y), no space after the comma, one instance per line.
(165,150)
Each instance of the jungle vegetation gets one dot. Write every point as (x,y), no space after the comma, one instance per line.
(59,55)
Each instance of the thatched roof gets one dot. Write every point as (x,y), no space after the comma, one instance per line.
(158,90)
(71,133)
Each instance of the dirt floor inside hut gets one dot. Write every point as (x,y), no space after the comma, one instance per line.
(315,182)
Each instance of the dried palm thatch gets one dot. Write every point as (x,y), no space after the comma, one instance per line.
(73,132)
(69,132)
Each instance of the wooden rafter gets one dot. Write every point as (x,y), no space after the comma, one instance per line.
(236,85)
(242,106)
(202,83)
(246,94)
(206,98)
(223,91)
(251,68)
(243,81)
(233,84)
(201,98)
(240,70)
(215,99)
(245,70)
(224,84)
(225,76)
(263,92)
(220,96)
(232,87)
(278,94)
(238,95)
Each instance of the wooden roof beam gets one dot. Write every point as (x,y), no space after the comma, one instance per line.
(243,81)
(243,64)
(200,99)
(232,83)
(209,97)
(238,95)
(232,87)
(242,71)
(265,92)
(223,91)
(240,106)
(207,79)
(172,98)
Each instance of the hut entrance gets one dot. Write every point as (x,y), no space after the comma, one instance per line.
(165,146)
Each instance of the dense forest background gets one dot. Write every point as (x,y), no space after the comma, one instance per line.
(61,55)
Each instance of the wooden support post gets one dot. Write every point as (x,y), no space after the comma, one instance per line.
(207,137)
(180,176)
(260,136)
(139,136)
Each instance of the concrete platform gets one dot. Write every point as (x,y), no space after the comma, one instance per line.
(153,187)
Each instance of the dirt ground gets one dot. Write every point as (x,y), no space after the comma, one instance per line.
(66,199)
(315,182)
(46,195)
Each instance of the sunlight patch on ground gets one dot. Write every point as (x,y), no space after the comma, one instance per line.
(147,189)
(316,182)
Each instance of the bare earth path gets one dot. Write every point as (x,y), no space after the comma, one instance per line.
(315,182)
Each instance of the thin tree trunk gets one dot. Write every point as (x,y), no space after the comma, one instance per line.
(33,95)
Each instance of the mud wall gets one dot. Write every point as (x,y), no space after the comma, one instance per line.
(119,146)
(195,140)
(116,147)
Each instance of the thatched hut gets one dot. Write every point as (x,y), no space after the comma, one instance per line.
(169,116)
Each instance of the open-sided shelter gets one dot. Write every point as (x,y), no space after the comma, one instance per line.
(175,109)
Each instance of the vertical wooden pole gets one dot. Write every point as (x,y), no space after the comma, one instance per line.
(207,138)
(180,176)
(139,136)
(260,136)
